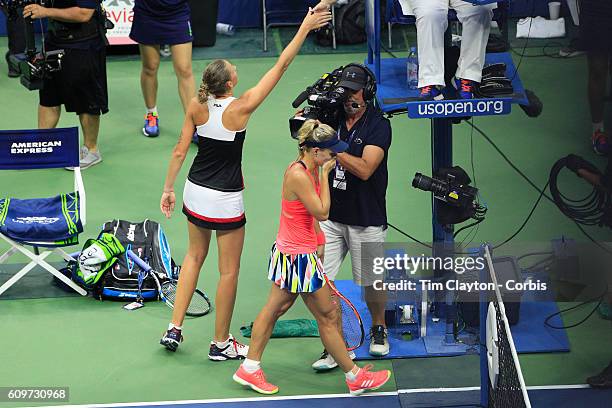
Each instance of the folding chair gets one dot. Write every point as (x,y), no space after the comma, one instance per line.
(41,222)
(287,13)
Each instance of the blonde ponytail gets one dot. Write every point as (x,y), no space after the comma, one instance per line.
(313,131)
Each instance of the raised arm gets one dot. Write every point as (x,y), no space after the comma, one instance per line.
(324,5)
(252,98)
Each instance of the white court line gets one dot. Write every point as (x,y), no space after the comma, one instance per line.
(220,400)
(301,397)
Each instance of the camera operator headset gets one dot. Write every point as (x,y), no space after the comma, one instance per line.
(358,187)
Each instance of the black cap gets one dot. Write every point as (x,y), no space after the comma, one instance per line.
(354,78)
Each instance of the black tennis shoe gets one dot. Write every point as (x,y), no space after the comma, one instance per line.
(172,338)
(603,379)
(379,344)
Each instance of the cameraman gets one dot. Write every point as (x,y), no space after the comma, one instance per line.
(358,187)
(77,27)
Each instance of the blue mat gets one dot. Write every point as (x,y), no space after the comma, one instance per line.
(530,334)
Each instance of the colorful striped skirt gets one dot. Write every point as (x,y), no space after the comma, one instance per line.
(301,273)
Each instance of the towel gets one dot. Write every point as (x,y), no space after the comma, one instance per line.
(539,27)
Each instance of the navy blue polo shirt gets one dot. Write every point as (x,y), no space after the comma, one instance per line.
(354,201)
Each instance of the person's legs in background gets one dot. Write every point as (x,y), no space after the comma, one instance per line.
(476,23)
(48,116)
(596,39)
(149,55)
(15,27)
(431,23)
(90,124)
(367,243)
(181,60)
(598,65)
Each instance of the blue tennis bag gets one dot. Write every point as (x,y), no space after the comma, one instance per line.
(147,240)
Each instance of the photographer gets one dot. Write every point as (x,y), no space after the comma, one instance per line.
(77,27)
(358,188)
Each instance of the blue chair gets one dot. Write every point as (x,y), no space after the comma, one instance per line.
(53,222)
(288,13)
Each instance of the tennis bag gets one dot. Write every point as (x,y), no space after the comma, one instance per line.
(147,240)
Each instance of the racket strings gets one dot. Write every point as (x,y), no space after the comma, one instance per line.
(351,325)
(197,305)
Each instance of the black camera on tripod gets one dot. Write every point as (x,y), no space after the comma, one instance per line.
(325,99)
(33,66)
(452,187)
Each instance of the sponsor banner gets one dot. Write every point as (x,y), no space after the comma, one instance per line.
(459,108)
(39,149)
(121,14)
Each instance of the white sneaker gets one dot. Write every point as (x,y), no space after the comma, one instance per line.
(326,361)
(87,158)
(232,351)
(379,343)
(90,159)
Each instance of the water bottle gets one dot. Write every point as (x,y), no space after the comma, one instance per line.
(413,69)
(225,29)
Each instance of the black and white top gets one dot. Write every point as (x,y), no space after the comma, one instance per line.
(218,164)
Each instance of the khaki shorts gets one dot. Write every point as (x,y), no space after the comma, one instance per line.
(341,238)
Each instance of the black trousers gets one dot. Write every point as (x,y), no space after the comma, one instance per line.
(15,27)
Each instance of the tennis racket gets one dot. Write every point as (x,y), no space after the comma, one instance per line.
(198,306)
(352,326)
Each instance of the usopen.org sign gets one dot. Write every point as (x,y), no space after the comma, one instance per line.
(459,108)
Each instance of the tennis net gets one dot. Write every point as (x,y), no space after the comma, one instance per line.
(505,386)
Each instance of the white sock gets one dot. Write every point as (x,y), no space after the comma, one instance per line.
(223,344)
(350,376)
(598,126)
(250,366)
(172,326)
(152,110)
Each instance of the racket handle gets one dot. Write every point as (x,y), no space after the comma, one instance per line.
(145,267)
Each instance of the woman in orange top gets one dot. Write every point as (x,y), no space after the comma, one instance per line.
(295,267)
